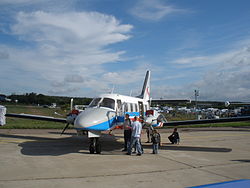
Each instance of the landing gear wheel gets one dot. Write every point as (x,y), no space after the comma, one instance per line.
(91,146)
(95,146)
(98,146)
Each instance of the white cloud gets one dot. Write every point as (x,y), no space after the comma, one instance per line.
(230,79)
(74,78)
(4,55)
(68,47)
(224,76)
(204,61)
(86,28)
(153,10)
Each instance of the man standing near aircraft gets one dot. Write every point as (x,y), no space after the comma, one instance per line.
(127,132)
(136,135)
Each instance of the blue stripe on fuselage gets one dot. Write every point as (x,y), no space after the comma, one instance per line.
(106,125)
(156,125)
(133,113)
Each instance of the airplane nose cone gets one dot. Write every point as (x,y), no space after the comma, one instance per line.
(95,119)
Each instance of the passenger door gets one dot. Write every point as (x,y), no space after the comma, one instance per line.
(119,111)
(141,110)
(119,107)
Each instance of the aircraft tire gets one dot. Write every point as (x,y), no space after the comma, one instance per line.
(91,150)
(98,146)
(92,146)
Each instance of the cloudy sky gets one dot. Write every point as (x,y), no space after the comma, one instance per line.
(87,47)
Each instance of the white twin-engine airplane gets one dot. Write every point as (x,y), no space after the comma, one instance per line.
(107,111)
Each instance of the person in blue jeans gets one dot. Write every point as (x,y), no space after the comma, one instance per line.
(156,140)
(135,137)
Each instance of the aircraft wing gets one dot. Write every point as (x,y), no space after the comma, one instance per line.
(160,101)
(37,117)
(207,121)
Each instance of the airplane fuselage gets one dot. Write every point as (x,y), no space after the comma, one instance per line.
(108,110)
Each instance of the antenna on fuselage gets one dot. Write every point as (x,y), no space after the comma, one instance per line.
(131,93)
(71,104)
(113,88)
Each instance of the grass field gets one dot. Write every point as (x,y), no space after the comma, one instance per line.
(16,123)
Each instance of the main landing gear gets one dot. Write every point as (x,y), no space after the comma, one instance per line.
(94,145)
(94,142)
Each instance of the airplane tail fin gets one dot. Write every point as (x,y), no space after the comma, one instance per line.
(145,93)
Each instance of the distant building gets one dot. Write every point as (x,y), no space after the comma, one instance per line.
(53,105)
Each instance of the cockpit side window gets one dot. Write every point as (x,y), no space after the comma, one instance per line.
(94,102)
(108,103)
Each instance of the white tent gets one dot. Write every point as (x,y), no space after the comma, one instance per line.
(2,115)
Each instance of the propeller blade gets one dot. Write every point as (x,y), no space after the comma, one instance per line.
(67,125)
(71,104)
(58,114)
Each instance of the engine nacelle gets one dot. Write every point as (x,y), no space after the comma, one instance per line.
(72,116)
(154,119)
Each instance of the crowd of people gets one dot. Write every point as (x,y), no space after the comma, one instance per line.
(132,137)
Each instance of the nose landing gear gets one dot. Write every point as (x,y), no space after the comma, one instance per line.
(94,142)
(95,145)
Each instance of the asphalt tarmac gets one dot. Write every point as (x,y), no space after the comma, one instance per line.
(43,158)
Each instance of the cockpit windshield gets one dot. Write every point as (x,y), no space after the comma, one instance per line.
(105,102)
(108,103)
(94,102)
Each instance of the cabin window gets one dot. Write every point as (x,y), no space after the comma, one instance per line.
(128,106)
(108,103)
(136,108)
(94,102)
(131,107)
(125,107)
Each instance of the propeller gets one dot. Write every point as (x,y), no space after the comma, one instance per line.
(58,114)
(67,125)
(71,116)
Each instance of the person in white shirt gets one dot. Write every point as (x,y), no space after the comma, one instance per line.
(135,137)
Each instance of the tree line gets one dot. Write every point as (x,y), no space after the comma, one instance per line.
(35,99)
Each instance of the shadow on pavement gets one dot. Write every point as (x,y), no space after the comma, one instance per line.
(41,146)
(242,160)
